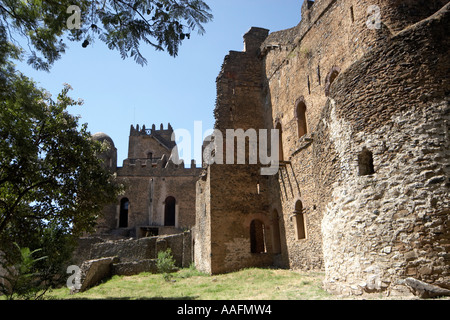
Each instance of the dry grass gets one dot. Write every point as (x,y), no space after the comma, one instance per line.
(247,284)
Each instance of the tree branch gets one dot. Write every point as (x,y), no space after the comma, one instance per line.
(11,209)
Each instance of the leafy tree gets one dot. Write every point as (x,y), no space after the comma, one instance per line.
(53,185)
(49,170)
(122,24)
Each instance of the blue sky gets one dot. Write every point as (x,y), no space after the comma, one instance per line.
(181,90)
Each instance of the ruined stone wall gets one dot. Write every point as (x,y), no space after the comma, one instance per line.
(235,203)
(201,233)
(298,63)
(380,228)
(237,193)
(379,94)
(100,258)
(145,248)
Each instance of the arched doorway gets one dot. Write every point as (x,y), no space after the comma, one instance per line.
(169,211)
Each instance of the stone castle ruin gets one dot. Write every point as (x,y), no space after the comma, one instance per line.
(160,194)
(359,93)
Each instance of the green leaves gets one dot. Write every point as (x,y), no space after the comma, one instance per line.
(21,279)
(122,24)
(48,167)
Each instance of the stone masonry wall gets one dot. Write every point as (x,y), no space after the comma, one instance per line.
(297,64)
(380,228)
(368,173)
(201,233)
(147,187)
(232,189)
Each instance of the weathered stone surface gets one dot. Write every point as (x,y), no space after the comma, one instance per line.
(126,250)
(151,177)
(130,257)
(134,267)
(94,271)
(380,90)
(362,191)
(425,290)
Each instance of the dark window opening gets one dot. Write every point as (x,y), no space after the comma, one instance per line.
(123,216)
(300,226)
(365,163)
(169,212)
(280,142)
(332,75)
(300,114)
(257,237)
(352,15)
(318,73)
(309,85)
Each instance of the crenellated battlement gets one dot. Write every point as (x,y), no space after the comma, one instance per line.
(156,167)
(136,131)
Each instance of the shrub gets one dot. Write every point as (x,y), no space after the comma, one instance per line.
(165,263)
(22,279)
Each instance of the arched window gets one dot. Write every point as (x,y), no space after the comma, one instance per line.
(150,155)
(276,239)
(169,211)
(123,215)
(280,141)
(365,162)
(332,75)
(300,115)
(300,226)
(257,237)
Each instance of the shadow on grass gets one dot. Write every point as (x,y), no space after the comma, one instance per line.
(134,298)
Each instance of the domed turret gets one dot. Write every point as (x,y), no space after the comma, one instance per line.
(101,136)
(110,155)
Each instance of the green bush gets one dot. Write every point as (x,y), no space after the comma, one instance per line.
(165,263)
(22,279)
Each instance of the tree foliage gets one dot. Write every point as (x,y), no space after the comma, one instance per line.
(53,184)
(50,172)
(122,24)
(21,279)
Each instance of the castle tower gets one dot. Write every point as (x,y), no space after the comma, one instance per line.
(109,156)
(233,229)
(359,94)
(150,144)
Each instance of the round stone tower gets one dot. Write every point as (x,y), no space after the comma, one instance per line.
(109,156)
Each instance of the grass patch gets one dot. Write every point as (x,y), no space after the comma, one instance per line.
(247,284)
